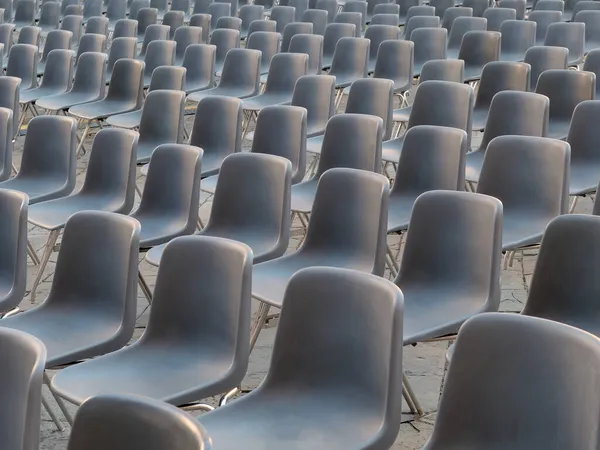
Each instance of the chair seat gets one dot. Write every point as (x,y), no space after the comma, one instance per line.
(522,228)
(512,56)
(35,94)
(584,177)
(390,150)
(314,144)
(53,214)
(70,334)
(225,92)
(479,118)
(399,211)
(66,100)
(160,230)
(303,196)
(293,421)
(474,163)
(171,374)
(452,53)
(558,128)
(128,120)
(38,190)
(402,114)
(268,99)
(102,109)
(591,45)
(343,80)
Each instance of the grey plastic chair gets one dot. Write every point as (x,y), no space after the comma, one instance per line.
(109,421)
(159,53)
(318,19)
(72,10)
(262,25)
(468,396)
(7,6)
(248,14)
(74,24)
(497,16)
(395,62)
(251,205)
(202,21)
(6,39)
(282,15)
(357,6)
(419,10)
(91,9)
(333,33)
(311,45)
(24,13)
(174,20)
(117,9)
(477,49)
(56,40)
(47,168)
(14,233)
(293,29)
(517,37)
(359,148)
(23,359)
(125,28)
(216,10)
(234,5)
(592,64)
(454,109)
(354,18)
(330,6)
(136,6)
(199,60)
(184,37)
(460,27)
(349,63)
(478,6)
(182,5)
(377,34)
(530,176)
(542,58)
(145,17)
(591,20)
(268,43)
(224,40)
(405,6)
(7,134)
(441,6)
(569,8)
(582,5)
(549,5)
(240,76)
(452,13)
(22,63)
(233,23)
(315,94)
(385,19)
(375,425)
(161,5)
(124,95)
(498,76)
(386,8)
(9,98)
(121,48)
(153,32)
(201,7)
(565,89)
(163,77)
(543,19)
(570,36)
(420,22)
(90,43)
(511,113)
(29,35)
(58,77)
(430,44)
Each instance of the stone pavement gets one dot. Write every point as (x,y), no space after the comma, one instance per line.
(424,364)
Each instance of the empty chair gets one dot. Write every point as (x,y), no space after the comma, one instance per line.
(517,37)
(454,109)
(74,4)
(441,6)
(591,20)
(299,6)
(570,36)
(91,9)
(74,24)
(124,95)
(24,13)
(90,43)
(218,10)
(386,8)
(349,62)
(282,15)
(529,175)
(498,76)
(315,94)
(9,98)
(543,20)
(174,20)
(145,17)
(184,6)
(356,6)
(88,85)
(385,19)
(262,25)
(293,29)
(240,77)
(268,43)
(565,89)
(14,231)
(376,35)
(56,40)
(420,22)
(518,5)
(202,21)
(330,6)
(153,32)
(117,9)
(199,60)
(248,14)
(419,10)
(333,33)
(460,27)
(478,6)
(6,39)
(311,45)
(159,53)
(225,40)
(161,5)
(121,48)
(48,165)
(405,5)
(7,134)
(354,18)
(497,16)
(125,28)
(109,421)
(136,6)
(201,7)
(452,13)
(29,35)
(545,58)
(395,62)
(318,19)
(592,64)
(233,23)
(184,37)
(22,63)
(430,44)
(549,5)
(7,5)
(511,113)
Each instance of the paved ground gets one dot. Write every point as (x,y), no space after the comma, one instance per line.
(424,364)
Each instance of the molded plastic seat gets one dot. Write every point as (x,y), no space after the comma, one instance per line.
(174,20)
(419,10)
(386,8)
(48,167)
(90,43)
(57,77)
(591,20)
(29,35)
(583,5)
(248,14)
(565,89)
(184,6)
(333,33)
(24,13)
(9,98)
(154,32)
(376,35)
(480,390)
(292,29)
(330,6)
(268,43)
(452,13)
(184,37)
(420,22)
(353,18)
(22,63)
(359,6)
(517,37)
(93,9)
(74,24)
(477,49)
(570,36)
(145,18)
(511,113)
(543,20)
(316,95)
(6,148)
(460,27)
(56,40)
(266,411)
(282,15)
(202,21)
(159,53)
(251,205)
(318,19)
(350,140)
(520,6)
(441,6)
(6,39)
(116,9)
(549,5)
(529,175)
(430,43)
(88,86)
(312,46)
(121,48)
(13,223)
(350,61)
(395,62)
(199,62)
(109,421)
(125,28)
(233,23)
(592,64)
(385,19)
(136,6)
(86,316)
(478,6)
(497,16)
(216,10)
(225,40)
(542,58)
(405,6)
(433,158)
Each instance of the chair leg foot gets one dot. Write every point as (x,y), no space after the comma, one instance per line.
(227,396)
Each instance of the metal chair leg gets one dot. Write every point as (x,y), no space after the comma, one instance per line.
(52,415)
(145,288)
(259,323)
(32,254)
(411,394)
(59,401)
(46,256)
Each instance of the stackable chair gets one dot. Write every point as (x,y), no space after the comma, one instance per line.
(460,27)
(592,64)
(121,48)
(90,43)
(56,40)
(333,33)
(125,28)
(542,58)
(420,22)
(225,40)
(316,94)
(74,24)
(517,37)
(477,49)
(376,35)
(520,6)
(7,134)
(543,19)
(497,16)
(352,18)
(405,6)
(202,21)
(318,19)
(154,32)
(349,63)
(22,63)
(24,13)
(159,53)
(395,62)
(145,18)
(452,13)
(311,45)
(30,35)
(9,98)
(591,20)
(292,29)
(248,14)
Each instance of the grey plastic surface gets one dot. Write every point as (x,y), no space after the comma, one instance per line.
(517,37)
(57,79)
(542,58)
(377,34)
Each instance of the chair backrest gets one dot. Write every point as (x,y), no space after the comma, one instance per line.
(127,81)
(566,89)
(480,388)
(25,11)
(420,10)
(517,36)
(136,6)
(161,5)
(50,14)
(549,5)
(181,5)
(202,21)
(352,141)
(330,6)
(282,15)
(441,6)
(6,144)
(268,43)
(542,58)
(224,39)
(7,5)
(121,48)
(357,6)
(201,6)
(23,360)
(74,24)
(385,19)
(452,13)
(13,222)
(478,6)
(199,62)
(241,69)
(430,43)
(9,98)
(172,187)
(116,9)
(354,18)
(285,70)
(335,368)
(262,25)
(250,13)
(386,8)
(333,33)
(517,114)
(479,48)
(316,94)
(71,9)
(570,35)
(355,201)
(112,421)
(405,6)
(497,16)
(218,125)
(300,6)
(154,32)
(583,5)
(374,96)
(518,5)
(501,76)
(350,57)
(378,34)
(92,9)
(49,150)
(90,43)
(454,105)
(22,63)
(527,172)
(583,136)
(29,35)
(420,22)
(318,19)
(543,19)
(312,46)
(159,53)
(174,20)
(443,70)
(146,17)
(162,117)
(395,61)
(591,20)
(218,10)
(113,152)
(168,77)
(56,39)
(292,29)
(184,37)
(58,72)
(125,28)
(463,25)
(6,37)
